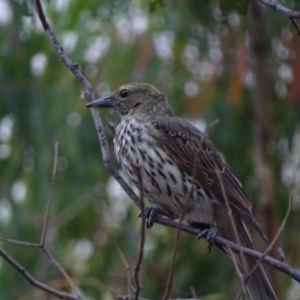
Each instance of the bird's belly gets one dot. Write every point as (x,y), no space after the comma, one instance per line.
(149,167)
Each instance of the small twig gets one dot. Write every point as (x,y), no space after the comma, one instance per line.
(173,259)
(193,292)
(142,237)
(45,226)
(41,245)
(281,255)
(236,235)
(88,93)
(127,266)
(175,248)
(210,126)
(280,8)
(274,240)
(295,23)
(178,232)
(65,216)
(270,246)
(33,281)
(222,242)
(292,14)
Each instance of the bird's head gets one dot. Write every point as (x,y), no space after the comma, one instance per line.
(136,99)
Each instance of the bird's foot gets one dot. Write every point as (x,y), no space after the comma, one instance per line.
(209,234)
(150,213)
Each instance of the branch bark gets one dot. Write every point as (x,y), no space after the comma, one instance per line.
(280,8)
(33,281)
(292,14)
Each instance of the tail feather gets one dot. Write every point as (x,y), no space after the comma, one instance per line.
(257,284)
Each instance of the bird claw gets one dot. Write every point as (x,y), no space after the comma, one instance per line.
(209,234)
(150,213)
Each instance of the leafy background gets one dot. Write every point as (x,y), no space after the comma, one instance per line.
(197,52)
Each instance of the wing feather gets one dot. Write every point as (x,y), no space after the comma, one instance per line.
(195,154)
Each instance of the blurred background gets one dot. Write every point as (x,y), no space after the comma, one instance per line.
(215,60)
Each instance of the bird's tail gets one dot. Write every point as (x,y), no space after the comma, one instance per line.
(257,284)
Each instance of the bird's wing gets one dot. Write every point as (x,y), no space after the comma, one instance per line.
(195,154)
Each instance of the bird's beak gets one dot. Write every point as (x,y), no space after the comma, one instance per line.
(107,101)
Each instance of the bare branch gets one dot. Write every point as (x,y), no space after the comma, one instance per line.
(269,248)
(43,235)
(292,14)
(142,237)
(281,255)
(41,245)
(280,8)
(296,24)
(277,264)
(127,266)
(33,281)
(88,93)
(279,231)
(178,232)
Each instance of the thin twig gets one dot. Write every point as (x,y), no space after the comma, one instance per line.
(142,237)
(222,242)
(272,243)
(193,292)
(295,23)
(33,281)
(270,246)
(292,14)
(174,253)
(45,226)
(280,8)
(88,93)
(41,245)
(236,234)
(127,266)
(65,216)
(178,232)
(281,255)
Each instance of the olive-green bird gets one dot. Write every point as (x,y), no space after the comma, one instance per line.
(181,172)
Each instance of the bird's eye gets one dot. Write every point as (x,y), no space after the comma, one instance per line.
(124,93)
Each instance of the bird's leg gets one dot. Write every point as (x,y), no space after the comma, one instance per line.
(210,232)
(150,213)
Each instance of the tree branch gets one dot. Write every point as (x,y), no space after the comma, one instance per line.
(292,14)
(33,281)
(280,8)
(277,264)
(142,237)
(88,93)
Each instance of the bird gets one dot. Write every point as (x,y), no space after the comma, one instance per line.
(182,174)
